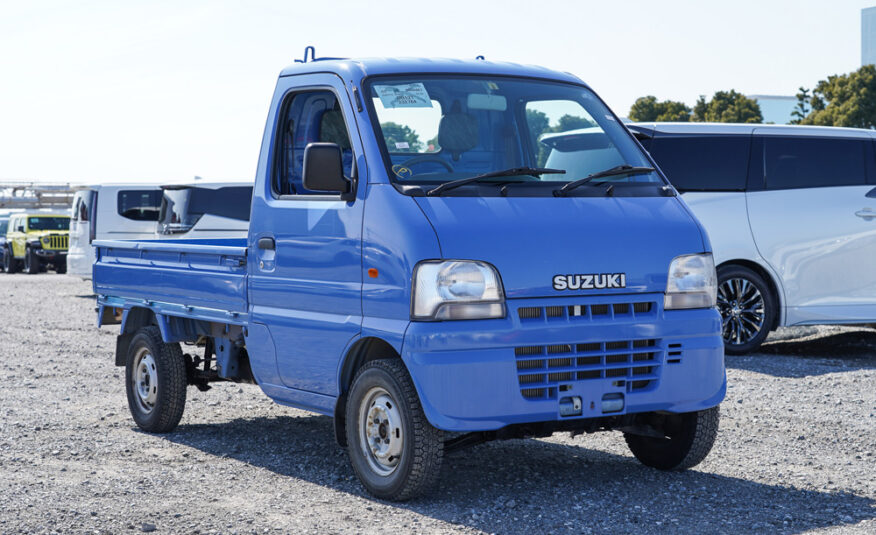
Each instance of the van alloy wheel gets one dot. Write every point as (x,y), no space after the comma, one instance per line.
(742,310)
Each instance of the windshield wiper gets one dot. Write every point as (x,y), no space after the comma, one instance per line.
(514,171)
(614,171)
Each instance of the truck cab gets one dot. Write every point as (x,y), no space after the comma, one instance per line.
(35,241)
(416,269)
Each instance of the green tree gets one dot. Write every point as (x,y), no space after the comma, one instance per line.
(649,109)
(845,100)
(727,107)
(801,110)
(571,122)
(538,123)
(395,133)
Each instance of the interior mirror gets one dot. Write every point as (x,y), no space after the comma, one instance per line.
(324,169)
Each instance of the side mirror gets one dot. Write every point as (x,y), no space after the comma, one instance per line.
(324,170)
(20,228)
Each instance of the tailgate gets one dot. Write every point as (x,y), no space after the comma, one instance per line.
(208,273)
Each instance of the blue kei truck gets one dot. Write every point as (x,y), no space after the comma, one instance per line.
(429,267)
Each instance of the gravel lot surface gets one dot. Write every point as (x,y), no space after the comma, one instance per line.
(796,451)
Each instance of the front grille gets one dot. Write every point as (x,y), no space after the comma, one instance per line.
(54,241)
(588,311)
(633,364)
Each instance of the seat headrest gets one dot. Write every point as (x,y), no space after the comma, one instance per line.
(457,132)
(333,130)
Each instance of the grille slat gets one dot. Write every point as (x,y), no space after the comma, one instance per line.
(598,311)
(635,362)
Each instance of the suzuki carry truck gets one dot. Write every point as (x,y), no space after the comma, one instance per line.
(415,270)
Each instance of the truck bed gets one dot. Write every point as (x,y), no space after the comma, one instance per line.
(203,278)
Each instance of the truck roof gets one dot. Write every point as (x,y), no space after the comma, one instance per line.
(361,67)
(749,128)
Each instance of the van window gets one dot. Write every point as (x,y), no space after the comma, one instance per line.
(313,116)
(139,205)
(703,163)
(802,162)
(82,206)
(182,208)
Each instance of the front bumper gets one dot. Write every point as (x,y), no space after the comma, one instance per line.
(487,374)
(50,254)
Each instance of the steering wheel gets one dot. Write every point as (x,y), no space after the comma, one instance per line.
(423,158)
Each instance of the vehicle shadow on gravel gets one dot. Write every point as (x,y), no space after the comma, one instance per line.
(522,486)
(801,357)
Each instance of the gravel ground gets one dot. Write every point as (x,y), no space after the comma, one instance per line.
(796,451)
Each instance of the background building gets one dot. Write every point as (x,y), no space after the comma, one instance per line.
(774,108)
(868,36)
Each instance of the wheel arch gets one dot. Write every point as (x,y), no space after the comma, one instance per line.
(133,320)
(361,352)
(771,281)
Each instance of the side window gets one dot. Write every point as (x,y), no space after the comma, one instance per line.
(705,163)
(309,117)
(139,205)
(801,162)
(77,206)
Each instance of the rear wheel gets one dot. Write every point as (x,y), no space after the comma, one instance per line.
(748,309)
(689,439)
(155,381)
(31,261)
(10,265)
(394,450)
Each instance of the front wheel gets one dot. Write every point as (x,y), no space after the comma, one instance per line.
(31,262)
(61,267)
(394,450)
(689,438)
(748,309)
(155,381)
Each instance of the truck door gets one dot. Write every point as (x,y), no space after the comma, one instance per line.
(306,281)
(809,223)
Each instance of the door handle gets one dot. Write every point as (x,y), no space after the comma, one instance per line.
(270,244)
(866,214)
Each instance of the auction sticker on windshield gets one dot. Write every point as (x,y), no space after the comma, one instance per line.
(411,95)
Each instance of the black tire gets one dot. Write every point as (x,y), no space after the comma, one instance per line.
(61,268)
(744,327)
(421,449)
(10,265)
(31,262)
(157,393)
(691,437)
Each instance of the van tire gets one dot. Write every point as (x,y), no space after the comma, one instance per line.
(153,363)
(377,386)
(31,262)
(691,436)
(726,277)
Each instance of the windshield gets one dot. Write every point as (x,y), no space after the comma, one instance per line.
(442,128)
(48,223)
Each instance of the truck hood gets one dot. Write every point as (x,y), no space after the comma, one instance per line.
(532,240)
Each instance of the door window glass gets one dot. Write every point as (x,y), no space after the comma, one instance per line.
(703,163)
(800,162)
(309,117)
(139,205)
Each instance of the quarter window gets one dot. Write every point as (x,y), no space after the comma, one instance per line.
(309,117)
(813,162)
(139,205)
(703,163)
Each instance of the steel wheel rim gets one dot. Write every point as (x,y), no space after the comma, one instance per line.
(145,380)
(381,438)
(742,310)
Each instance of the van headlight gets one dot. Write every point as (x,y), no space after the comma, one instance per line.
(693,282)
(457,290)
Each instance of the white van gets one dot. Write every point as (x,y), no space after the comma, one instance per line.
(791,213)
(109,212)
(204,210)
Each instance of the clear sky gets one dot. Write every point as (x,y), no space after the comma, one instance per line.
(119,90)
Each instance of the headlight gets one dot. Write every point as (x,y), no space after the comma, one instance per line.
(692,282)
(457,290)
